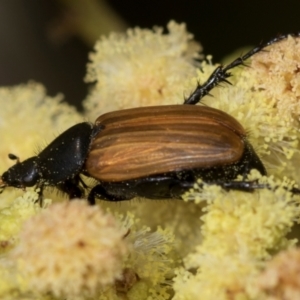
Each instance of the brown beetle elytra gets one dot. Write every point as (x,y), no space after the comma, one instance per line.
(147,141)
(153,152)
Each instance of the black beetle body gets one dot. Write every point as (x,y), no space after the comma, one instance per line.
(58,164)
(153,152)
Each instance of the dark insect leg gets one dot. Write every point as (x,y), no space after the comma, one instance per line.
(221,73)
(40,189)
(245,186)
(71,187)
(174,189)
(100,192)
(157,187)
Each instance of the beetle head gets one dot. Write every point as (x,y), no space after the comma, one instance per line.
(21,175)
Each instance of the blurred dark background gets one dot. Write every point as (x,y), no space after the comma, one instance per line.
(49,41)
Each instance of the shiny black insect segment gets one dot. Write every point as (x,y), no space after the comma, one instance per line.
(154,152)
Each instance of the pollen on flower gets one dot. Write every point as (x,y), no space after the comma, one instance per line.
(280,279)
(222,278)
(35,116)
(13,216)
(240,232)
(142,67)
(9,283)
(29,120)
(241,219)
(265,99)
(70,249)
(276,79)
(75,251)
(277,73)
(151,258)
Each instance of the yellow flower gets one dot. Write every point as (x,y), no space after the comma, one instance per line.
(70,249)
(222,278)
(280,279)
(240,232)
(152,258)
(33,117)
(264,97)
(277,73)
(13,216)
(29,120)
(142,68)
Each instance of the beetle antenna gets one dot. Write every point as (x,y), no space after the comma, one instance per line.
(14,157)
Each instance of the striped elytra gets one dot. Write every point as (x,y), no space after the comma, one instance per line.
(146,141)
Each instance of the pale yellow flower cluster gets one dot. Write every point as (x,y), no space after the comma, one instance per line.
(275,75)
(70,249)
(30,120)
(12,218)
(152,258)
(73,251)
(267,110)
(33,117)
(280,279)
(240,232)
(141,68)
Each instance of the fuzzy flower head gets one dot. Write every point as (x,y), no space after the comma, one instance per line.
(75,251)
(141,68)
(13,216)
(280,279)
(29,119)
(71,249)
(275,75)
(223,278)
(151,258)
(240,232)
(235,221)
(29,112)
(264,98)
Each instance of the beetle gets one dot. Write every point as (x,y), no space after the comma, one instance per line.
(155,152)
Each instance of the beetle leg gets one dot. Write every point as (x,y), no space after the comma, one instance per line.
(178,188)
(40,189)
(71,187)
(218,76)
(221,73)
(246,186)
(100,191)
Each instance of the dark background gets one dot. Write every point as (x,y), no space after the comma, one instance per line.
(26,52)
